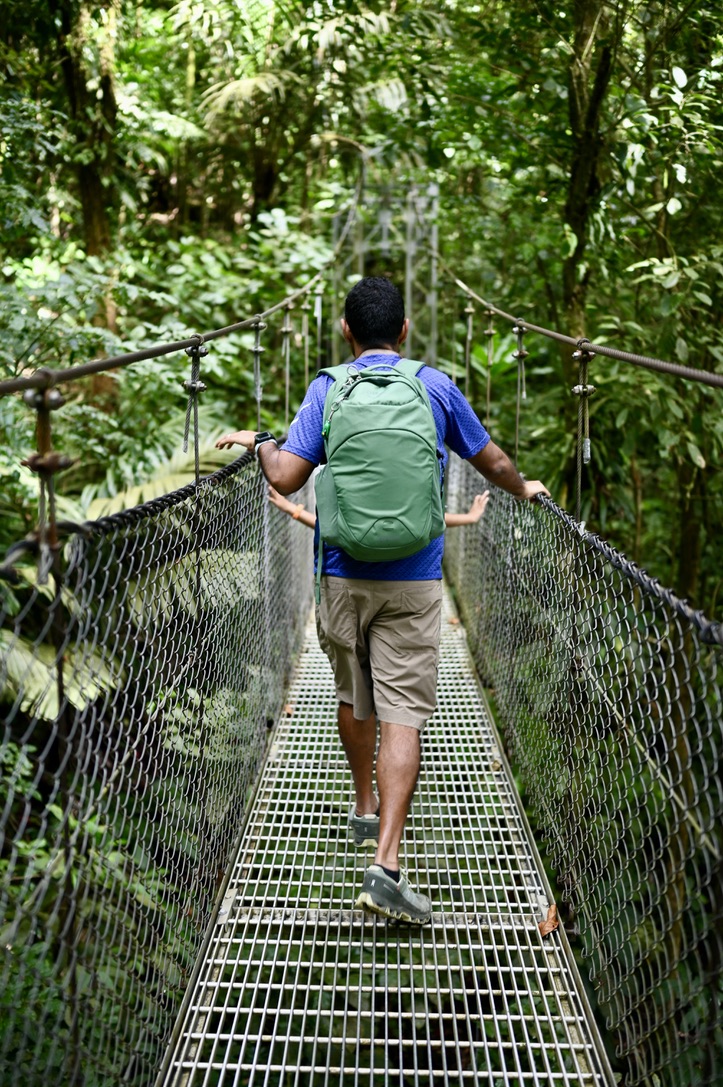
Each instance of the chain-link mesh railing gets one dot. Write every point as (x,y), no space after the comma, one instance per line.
(136,696)
(609,693)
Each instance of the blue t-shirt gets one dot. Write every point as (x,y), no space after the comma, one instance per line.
(457,427)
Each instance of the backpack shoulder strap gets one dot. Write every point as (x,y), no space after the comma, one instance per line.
(409,367)
(335,372)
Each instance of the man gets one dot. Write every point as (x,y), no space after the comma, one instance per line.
(379,622)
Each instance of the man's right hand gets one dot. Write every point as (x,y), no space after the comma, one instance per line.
(532,489)
(494,464)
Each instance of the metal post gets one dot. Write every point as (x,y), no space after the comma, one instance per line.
(433,275)
(359,247)
(286,356)
(489,333)
(305,307)
(469,310)
(318,314)
(257,350)
(335,292)
(409,270)
(193,387)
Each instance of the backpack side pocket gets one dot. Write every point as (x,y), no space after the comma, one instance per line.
(327,508)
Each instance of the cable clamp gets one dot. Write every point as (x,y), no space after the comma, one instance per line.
(193,387)
(582,351)
(583,390)
(51,399)
(198,349)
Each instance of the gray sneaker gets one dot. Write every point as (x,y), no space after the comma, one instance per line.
(365,827)
(382,895)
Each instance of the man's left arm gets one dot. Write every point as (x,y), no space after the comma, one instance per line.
(284,471)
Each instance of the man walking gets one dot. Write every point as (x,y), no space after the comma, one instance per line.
(379,621)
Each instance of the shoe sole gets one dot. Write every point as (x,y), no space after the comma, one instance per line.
(365,901)
(365,841)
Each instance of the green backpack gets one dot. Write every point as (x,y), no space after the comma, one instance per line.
(379,495)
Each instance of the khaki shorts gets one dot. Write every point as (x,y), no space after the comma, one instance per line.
(382,638)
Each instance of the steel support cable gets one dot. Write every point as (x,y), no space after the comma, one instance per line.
(659,365)
(305,307)
(194,387)
(489,333)
(582,390)
(520,354)
(469,310)
(257,350)
(286,357)
(44,378)
(319,317)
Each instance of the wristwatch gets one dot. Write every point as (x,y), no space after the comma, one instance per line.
(264,436)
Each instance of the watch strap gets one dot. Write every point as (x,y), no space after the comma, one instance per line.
(262,438)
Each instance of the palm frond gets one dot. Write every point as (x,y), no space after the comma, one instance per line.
(170,475)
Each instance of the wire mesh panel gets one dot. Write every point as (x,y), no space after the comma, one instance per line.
(609,692)
(136,694)
(300,988)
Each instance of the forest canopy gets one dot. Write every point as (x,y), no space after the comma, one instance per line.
(167,168)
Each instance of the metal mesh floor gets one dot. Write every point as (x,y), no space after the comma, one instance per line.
(298,988)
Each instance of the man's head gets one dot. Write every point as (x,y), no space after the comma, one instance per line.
(374,314)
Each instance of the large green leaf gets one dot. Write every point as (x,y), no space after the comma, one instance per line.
(31,676)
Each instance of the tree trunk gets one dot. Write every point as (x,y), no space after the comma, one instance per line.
(185,157)
(587,91)
(588,82)
(93,124)
(93,117)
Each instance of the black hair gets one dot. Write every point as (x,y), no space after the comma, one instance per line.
(374,312)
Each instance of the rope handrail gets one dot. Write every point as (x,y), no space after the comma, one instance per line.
(44,378)
(659,365)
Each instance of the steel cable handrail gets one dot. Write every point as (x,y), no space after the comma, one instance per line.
(710,631)
(607,687)
(659,365)
(44,378)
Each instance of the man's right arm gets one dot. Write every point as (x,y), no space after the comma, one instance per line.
(494,464)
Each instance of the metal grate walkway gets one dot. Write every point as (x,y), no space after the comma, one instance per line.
(298,988)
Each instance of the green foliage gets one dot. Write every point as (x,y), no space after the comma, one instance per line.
(226,134)
(177,167)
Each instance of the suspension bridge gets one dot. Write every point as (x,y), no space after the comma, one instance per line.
(178,879)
